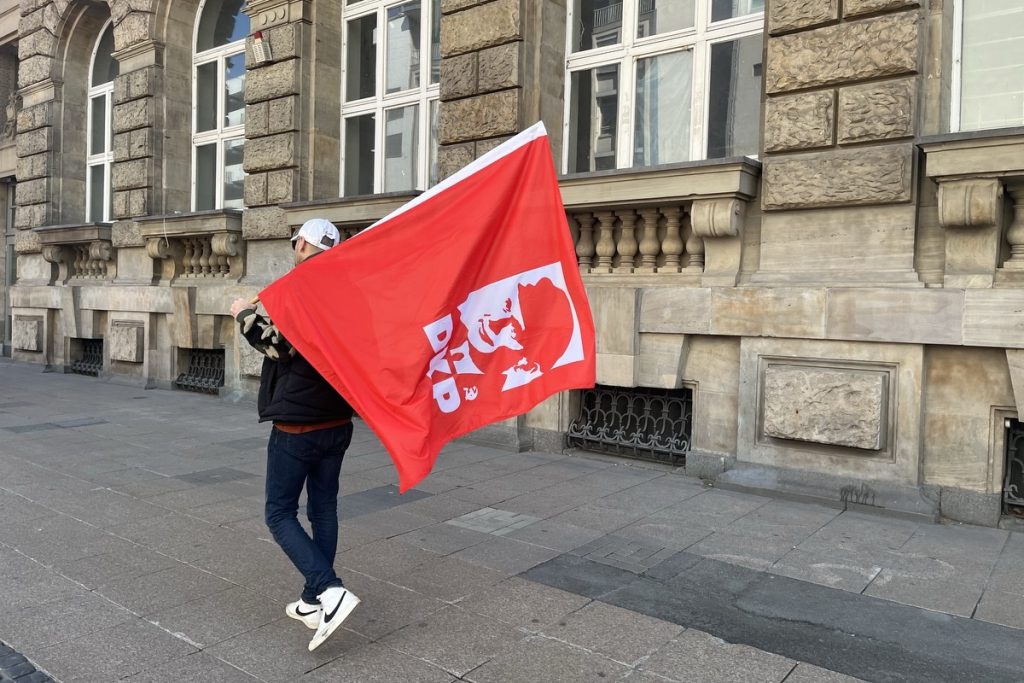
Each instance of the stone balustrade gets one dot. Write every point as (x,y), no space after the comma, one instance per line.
(81,253)
(204,247)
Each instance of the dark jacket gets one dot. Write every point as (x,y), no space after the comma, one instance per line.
(291,390)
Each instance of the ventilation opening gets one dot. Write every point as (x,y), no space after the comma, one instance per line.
(87,357)
(204,373)
(650,424)
(1013,484)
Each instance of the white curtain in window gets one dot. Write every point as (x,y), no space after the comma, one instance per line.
(992,71)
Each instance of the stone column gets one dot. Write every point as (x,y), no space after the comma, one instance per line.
(841,87)
(502,70)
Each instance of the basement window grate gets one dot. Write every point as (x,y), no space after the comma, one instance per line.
(1013,484)
(205,372)
(650,424)
(90,361)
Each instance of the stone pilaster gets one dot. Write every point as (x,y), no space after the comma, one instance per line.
(841,84)
(502,66)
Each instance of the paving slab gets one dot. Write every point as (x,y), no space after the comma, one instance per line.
(541,659)
(696,656)
(506,555)
(42,624)
(1001,608)
(199,666)
(375,663)
(620,634)
(524,604)
(208,620)
(949,596)
(151,593)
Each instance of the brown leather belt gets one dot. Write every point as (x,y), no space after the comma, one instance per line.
(316,426)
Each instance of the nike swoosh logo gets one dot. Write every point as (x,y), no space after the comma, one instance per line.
(328,617)
(304,614)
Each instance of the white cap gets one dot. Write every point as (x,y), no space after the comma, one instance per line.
(319,232)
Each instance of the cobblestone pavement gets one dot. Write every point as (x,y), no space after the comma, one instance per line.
(132,547)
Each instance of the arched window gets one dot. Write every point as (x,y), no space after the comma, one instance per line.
(218,105)
(100,144)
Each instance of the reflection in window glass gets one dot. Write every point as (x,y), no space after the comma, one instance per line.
(221,23)
(661,131)
(594,118)
(234,90)
(104,67)
(654,18)
(596,23)
(97,193)
(730,9)
(435,41)
(401,144)
(361,58)
(206,97)
(206,177)
(359,134)
(734,126)
(98,125)
(992,65)
(234,176)
(402,62)
(434,172)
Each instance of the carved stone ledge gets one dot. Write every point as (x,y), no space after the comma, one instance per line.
(202,248)
(81,252)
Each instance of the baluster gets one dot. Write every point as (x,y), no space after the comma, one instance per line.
(605,241)
(672,245)
(1015,233)
(80,258)
(649,245)
(627,241)
(204,259)
(574,229)
(585,245)
(189,254)
(694,250)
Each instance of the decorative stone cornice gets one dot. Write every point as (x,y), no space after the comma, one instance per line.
(266,14)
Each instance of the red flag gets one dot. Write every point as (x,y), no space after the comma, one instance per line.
(462,308)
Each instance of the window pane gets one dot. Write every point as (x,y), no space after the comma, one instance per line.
(594,119)
(992,71)
(434,172)
(206,97)
(435,41)
(401,145)
(596,23)
(97,193)
(729,9)
(234,176)
(98,125)
(734,113)
(359,148)
(403,57)
(361,58)
(104,67)
(661,134)
(234,90)
(222,22)
(654,18)
(206,177)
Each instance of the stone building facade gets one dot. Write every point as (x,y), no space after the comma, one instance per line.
(806,219)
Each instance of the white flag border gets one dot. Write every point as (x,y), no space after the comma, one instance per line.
(527,136)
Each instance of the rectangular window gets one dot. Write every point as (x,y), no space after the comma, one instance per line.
(681,78)
(206,97)
(359,135)
(401,148)
(403,55)
(361,62)
(991,75)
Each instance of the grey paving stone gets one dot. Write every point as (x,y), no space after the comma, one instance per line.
(217,475)
(696,656)
(667,530)
(454,639)
(440,508)
(949,596)
(599,518)
(555,535)
(808,673)
(491,521)
(622,475)
(448,578)
(211,619)
(714,509)
(151,593)
(229,511)
(654,494)
(859,535)
(621,634)
(57,539)
(387,523)
(104,508)
(523,604)
(116,652)
(198,666)
(506,555)
(542,504)
(756,552)
(577,575)
(1001,608)
(251,443)
(374,663)
(375,500)
(179,536)
(384,559)
(826,570)
(126,561)
(633,556)
(385,607)
(37,427)
(542,659)
(443,539)
(673,566)
(40,624)
(80,422)
(485,493)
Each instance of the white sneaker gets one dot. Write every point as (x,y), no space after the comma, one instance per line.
(336,604)
(307,613)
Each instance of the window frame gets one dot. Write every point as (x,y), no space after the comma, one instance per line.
(425,96)
(698,39)
(106,157)
(221,134)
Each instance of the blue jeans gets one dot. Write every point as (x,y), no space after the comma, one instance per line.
(312,460)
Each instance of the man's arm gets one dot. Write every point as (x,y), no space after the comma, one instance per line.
(260,332)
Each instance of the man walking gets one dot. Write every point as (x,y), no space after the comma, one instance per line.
(312,430)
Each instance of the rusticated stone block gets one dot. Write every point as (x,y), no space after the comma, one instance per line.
(126,175)
(133,29)
(126,341)
(34,70)
(485,146)
(120,204)
(32,191)
(139,143)
(853,8)
(872,48)
(138,203)
(269,153)
(459,76)
(27,334)
(40,42)
(35,116)
(799,121)
(449,6)
(46,17)
(264,223)
(484,116)
(281,186)
(34,141)
(257,119)
(133,114)
(272,81)
(255,189)
(250,361)
(450,158)
(788,15)
(120,147)
(877,111)
(139,83)
(282,117)
(284,41)
(838,407)
(499,67)
(876,175)
(30,216)
(480,27)
(126,234)
(35,166)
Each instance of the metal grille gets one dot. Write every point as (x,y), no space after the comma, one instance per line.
(91,361)
(1013,485)
(205,373)
(653,424)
